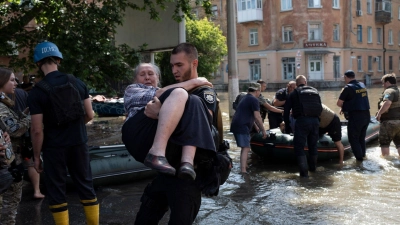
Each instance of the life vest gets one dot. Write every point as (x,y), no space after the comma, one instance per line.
(360,101)
(394,106)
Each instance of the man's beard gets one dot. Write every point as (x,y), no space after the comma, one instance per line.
(186,76)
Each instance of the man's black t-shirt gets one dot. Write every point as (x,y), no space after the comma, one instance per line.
(70,134)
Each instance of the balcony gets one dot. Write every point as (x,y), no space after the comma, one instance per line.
(383,11)
(383,17)
(250,15)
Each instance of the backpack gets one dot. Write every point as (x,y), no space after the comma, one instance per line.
(65,100)
(310,101)
(239,98)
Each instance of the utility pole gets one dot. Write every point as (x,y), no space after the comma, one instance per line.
(233,82)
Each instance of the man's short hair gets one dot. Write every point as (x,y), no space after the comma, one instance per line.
(350,74)
(189,49)
(260,81)
(391,77)
(300,79)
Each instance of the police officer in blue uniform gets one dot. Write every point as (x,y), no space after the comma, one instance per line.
(305,104)
(355,106)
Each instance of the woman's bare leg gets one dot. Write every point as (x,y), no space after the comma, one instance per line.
(169,116)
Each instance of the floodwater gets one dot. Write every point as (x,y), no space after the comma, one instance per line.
(272,193)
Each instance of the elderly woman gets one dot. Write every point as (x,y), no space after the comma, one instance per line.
(179,118)
(16,126)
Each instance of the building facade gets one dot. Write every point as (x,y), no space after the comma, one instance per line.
(321,39)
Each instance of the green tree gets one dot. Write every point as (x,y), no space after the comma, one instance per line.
(210,44)
(84,32)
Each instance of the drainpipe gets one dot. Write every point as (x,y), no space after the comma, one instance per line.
(384,50)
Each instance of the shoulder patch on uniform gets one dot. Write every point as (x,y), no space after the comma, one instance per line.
(386,96)
(209,96)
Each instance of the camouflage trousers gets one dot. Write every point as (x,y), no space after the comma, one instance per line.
(9,203)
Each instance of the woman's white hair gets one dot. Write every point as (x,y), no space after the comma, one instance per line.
(155,68)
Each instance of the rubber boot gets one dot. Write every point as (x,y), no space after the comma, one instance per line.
(91,208)
(302,162)
(61,218)
(312,163)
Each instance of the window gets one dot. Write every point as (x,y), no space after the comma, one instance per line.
(359,33)
(391,63)
(358,4)
(369,63)
(214,10)
(390,38)
(336,66)
(314,32)
(359,63)
(289,68)
(398,36)
(247,4)
(255,69)
(378,35)
(253,37)
(369,34)
(287,34)
(336,32)
(399,13)
(314,3)
(335,3)
(286,5)
(379,63)
(369,6)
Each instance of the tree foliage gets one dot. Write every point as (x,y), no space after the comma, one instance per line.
(84,32)
(210,44)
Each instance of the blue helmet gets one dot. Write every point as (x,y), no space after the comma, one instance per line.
(44,50)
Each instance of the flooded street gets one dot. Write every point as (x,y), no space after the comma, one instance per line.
(272,193)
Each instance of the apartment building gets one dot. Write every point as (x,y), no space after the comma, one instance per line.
(279,39)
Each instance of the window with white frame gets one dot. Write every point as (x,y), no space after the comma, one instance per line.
(336,36)
(399,13)
(390,38)
(289,68)
(369,63)
(378,35)
(287,34)
(286,5)
(369,6)
(248,4)
(369,34)
(335,4)
(379,63)
(253,36)
(314,3)
(214,10)
(255,69)
(359,63)
(314,32)
(359,33)
(391,63)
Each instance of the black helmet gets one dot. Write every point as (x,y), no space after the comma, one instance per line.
(350,73)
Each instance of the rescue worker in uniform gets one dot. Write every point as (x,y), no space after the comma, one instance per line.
(275,119)
(389,114)
(16,125)
(63,145)
(329,123)
(355,106)
(182,197)
(305,104)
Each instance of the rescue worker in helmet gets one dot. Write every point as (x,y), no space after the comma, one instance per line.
(62,142)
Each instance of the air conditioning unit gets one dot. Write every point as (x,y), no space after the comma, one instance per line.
(376,59)
(359,13)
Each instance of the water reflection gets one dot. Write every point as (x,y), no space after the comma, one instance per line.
(273,193)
